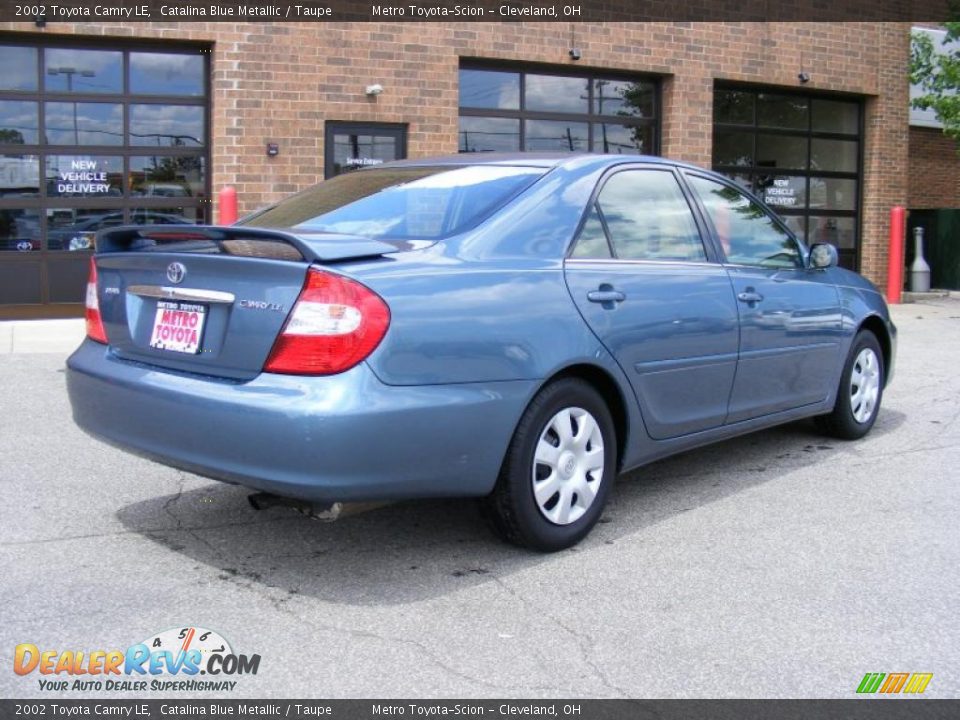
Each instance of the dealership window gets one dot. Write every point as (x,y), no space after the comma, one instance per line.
(507,110)
(801,154)
(93,137)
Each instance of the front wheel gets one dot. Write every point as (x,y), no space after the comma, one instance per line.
(558,470)
(860,391)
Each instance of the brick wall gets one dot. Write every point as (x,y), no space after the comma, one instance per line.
(280,82)
(934,170)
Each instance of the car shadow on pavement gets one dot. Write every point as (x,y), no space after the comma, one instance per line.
(410,551)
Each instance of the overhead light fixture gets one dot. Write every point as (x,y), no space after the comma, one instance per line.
(374,89)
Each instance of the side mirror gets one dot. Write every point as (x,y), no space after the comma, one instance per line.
(823,256)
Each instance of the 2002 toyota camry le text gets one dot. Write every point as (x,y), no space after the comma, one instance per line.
(515,328)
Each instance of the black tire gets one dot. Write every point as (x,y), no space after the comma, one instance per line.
(851,419)
(513,509)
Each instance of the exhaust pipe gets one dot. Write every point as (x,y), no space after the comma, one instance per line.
(328,512)
(325,512)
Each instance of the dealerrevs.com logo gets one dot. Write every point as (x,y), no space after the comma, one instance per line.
(169,661)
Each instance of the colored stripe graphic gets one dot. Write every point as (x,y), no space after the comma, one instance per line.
(870,682)
(918,682)
(894,683)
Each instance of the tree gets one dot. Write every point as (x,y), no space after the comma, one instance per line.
(936,71)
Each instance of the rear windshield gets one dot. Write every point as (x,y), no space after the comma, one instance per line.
(400,203)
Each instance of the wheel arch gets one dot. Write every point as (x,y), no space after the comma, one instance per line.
(604,383)
(876,325)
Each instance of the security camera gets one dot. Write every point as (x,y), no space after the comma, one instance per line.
(804,77)
(374,89)
(575,53)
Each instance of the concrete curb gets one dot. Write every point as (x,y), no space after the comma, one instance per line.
(40,336)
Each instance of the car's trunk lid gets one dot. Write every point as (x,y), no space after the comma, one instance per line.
(209,300)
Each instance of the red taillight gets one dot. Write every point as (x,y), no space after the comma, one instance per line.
(95,329)
(335,324)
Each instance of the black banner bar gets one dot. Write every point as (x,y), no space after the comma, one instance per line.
(854,709)
(473,10)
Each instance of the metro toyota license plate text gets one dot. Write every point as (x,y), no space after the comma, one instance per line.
(178,326)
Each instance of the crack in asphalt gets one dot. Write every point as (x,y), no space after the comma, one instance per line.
(584,642)
(246,580)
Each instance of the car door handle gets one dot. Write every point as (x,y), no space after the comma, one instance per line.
(750,296)
(606,296)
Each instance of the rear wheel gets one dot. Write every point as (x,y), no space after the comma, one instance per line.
(558,471)
(860,391)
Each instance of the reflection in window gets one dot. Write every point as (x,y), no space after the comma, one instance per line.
(836,116)
(791,166)
(19,176)
(558,113)
(83,71)
(649,218)
(592,241)
(19,229)
(166,216)
(839,231)
(73,229)
(481,134)
(166,74)
(353,151)
(167,176)
(748,235)
(555,136)
(18,123)
(782,151)
(167,125)
(621,139)
(834,155)
(734,107)
(557,93)
(75,123)
(783,111)
(489,89)
(19,68)
(732,147)
(421,202)
(833,194)
(621,97)
(84,176)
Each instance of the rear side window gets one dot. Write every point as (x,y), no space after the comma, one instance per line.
(748,234)
(646,217)
(400,203)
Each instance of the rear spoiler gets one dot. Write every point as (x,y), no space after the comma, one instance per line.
(240,241)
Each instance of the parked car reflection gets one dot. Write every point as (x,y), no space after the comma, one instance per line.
(80,235)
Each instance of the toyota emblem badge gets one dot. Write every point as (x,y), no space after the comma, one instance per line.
(176,272)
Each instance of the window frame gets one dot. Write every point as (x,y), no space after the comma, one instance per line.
(130,204)
(590,117)
(705,231)
(803,250)
(808,174)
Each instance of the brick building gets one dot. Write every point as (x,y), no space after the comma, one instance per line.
(141,122)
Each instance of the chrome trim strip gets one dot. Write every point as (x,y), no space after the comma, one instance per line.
(187,294)
(652,263)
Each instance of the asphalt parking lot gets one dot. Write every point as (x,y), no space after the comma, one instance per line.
(782,564)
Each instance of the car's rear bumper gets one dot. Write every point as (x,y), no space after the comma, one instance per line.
(344,437)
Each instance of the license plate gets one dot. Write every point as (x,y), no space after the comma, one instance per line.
(178,326)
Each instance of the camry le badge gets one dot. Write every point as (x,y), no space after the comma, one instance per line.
(176,272)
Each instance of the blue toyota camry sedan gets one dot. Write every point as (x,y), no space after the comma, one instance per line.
(519,329)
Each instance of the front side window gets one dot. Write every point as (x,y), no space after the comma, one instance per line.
(647,218)
(400,203)
(749,235)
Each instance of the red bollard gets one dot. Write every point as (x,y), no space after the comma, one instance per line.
(898,224)
(227,206)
